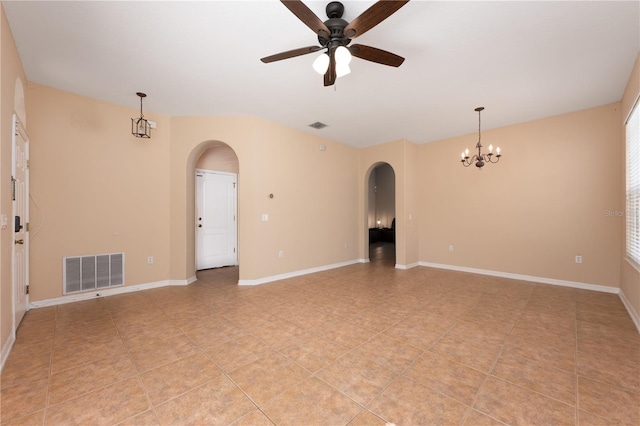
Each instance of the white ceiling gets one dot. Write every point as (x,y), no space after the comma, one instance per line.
(520,60)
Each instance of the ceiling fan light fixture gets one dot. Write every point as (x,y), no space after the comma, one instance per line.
(342,55)
(342,70)
(321,64)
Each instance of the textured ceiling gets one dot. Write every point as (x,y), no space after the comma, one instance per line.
(520,60)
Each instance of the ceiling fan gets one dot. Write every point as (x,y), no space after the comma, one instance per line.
(335,34)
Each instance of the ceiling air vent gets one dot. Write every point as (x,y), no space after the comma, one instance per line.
(318,125)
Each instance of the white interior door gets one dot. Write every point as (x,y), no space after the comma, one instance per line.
(20,219)
(216,231)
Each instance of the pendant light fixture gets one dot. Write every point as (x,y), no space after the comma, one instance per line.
(480,159)
(140,127)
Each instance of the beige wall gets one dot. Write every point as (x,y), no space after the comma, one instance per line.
(630,275)
(311,216)
(10,71)
(97,189)
(532,213)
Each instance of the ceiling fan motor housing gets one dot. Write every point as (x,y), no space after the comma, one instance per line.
(336,25)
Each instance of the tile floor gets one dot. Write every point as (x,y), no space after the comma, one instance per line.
(360,345)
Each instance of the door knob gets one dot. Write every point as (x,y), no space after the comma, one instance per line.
(20,241)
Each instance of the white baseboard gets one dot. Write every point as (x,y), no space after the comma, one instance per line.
(409,266)
(298,273)
(632,312)
(542,280)
(6,349)
(107,292)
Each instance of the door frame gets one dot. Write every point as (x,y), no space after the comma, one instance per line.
(235,201)
(18,129)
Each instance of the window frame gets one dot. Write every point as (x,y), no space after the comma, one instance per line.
(632,185)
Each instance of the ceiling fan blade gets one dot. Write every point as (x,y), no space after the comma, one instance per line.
(371,17)
(330,75)
(291,54)
(376,55)
(307,17)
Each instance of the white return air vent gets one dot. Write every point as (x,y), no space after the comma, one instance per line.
(84,273)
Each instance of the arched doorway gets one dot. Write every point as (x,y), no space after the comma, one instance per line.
(210,161)
(381,217)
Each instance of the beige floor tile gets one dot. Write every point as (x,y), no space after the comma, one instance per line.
(88,377)
(532,322)
(314,352)
(471,345)
(476,418)
(213,334)
(69,356)
(254,418)
(406,402)
(148,418)
(150,352)
(447,377)
(33,419)
(345,333)
(181,339)
(608,401)
(375,321)
(267,377)
(35,331)
(238,352)
(26,363)
(96,332)
(278,334)
(217,401)
(393,354)
(422,337)
(163,327)
(367,418)
(551,349)
(588,419)
(24,398)
(537,376)
(620,371)
(108,405)
(311,402)
(170,380)
(515,405)
(359,378)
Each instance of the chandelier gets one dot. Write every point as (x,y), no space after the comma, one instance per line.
(480,159)
(140,127)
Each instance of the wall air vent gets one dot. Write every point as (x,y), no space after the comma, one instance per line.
(318,125)
(85,273)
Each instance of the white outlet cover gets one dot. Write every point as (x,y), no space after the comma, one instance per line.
(265,217)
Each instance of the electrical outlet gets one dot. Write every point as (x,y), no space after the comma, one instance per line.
(346,245)
(281,253)
(450,247)
(265,217)
(150,260)
(578,259)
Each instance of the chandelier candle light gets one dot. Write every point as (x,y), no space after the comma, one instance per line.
(480,159)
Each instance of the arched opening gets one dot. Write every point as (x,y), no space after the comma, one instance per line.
(381,214)
(208,162)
